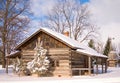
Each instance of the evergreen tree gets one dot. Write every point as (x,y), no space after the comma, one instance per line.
(40,63)
(91,44)
(107,47)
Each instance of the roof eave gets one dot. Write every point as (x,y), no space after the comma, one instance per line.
(14,55)
(91,55)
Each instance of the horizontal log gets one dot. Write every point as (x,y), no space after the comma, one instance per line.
(58,51)
(62,72)
(64,64)
(50,51)
(64,61)
(28,54)
(60,57)
(81,69)
(60,68)
(27,57)
(28,51)
(26,60)
(77,66)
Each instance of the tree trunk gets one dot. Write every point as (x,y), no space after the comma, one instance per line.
(4,48)
(3,55)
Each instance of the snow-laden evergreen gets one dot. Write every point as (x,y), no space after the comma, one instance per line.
(40,63)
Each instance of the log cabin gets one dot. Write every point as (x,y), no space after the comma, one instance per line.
(67,57)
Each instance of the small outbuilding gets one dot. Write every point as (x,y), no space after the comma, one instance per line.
(113,59)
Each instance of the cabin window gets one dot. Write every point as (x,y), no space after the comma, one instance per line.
(52,63)
(47,43)
(55,63)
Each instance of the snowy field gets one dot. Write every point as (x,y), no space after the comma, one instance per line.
(112,76)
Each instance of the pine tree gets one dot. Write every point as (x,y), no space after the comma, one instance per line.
(107,47)
(40,63)
(91,44)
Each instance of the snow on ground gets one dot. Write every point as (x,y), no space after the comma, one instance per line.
(112,76)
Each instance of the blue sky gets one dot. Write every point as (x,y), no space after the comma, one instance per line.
(84,1)
(104,13)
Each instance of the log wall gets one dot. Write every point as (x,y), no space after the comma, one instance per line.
(62,56)
(60,64)
(112,63)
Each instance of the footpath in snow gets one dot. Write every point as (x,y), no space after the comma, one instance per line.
(112,76)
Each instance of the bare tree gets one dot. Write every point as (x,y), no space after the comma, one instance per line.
(72,16)
(12,23)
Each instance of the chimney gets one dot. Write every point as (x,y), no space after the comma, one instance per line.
(66,33)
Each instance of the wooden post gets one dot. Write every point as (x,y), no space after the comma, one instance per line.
(7,65)
(15,68)
(89,65)
(96,66)
(80,72)
(102,64)
(106,65)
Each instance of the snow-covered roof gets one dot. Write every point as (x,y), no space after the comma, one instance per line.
(68,41)
(80,47)
(91,52)
(73,43)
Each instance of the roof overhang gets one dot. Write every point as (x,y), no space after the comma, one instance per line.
(14,54)
(91,54)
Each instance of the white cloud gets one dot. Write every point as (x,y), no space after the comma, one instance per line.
(112,30)
(106,14)
(106,11)
(41,7)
